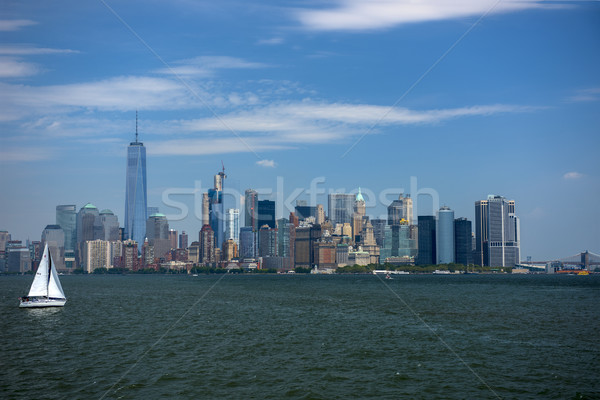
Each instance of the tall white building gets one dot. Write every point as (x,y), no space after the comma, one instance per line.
(232,225)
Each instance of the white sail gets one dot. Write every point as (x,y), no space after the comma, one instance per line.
(39,287)
(54,287)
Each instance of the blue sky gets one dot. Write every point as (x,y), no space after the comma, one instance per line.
(476,98)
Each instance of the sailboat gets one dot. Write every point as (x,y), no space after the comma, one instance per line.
(45,290)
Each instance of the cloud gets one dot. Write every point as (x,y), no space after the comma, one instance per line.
(120,93)
(572,175)
(14,24)
(271,41)
(203,146)
(266,163)
(358,15)
(206,66)
(25,154)
(14,68)
(585,95)
(326,121)
(21,50)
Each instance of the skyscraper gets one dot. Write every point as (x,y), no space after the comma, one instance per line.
(341,208)
(463,242)
(136,201)
(251,208)
(66,218)
(246,247)
(232,225)
(183,240)
(216,209)
(54,237)
(497,232)
(445,236)
(266,214)
(110,226)
(157,231)
(427,248)
(400,209)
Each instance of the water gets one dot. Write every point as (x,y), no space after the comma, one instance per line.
(304,337)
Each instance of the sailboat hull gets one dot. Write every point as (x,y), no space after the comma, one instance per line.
(38,303)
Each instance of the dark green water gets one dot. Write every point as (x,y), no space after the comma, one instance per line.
(305,337)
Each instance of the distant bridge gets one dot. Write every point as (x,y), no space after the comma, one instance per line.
(583,260)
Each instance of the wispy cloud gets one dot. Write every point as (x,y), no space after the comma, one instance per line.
(11,67)
(203,146)
(585,95)
(14,24)
(120,93)
(266,163)
(206,66)
(572,175)
(22,50)
(357,15)
(25,154)
(312,116)
(271,41)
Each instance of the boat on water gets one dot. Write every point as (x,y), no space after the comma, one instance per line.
(46,290)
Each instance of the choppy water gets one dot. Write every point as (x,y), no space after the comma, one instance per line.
(305,337)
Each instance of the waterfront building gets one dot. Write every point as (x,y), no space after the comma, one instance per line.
(157,232)
(266,214)
(267,241)
(497,232)
(463,242)
(54,237)
(230,250)
(130,259)
(325,253)
(427,246)
(341,254)
(97,254)
(194,252)
(445,236)
(136,197)
(18,259)
(341,208)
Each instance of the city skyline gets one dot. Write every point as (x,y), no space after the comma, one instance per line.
(474,101)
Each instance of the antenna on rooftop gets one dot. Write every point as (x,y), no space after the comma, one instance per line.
(136,126)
